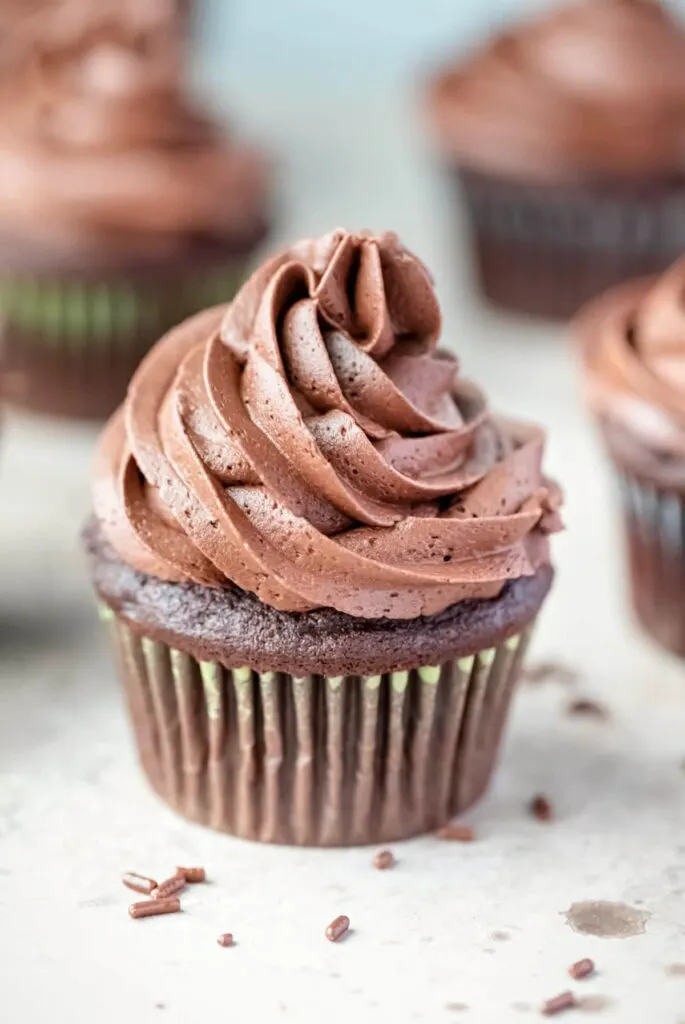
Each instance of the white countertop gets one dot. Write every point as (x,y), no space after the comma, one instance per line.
(428,939)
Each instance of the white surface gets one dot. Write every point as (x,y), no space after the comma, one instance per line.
(75,812)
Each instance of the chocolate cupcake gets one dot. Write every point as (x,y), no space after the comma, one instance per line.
(566,137)
(122,208)
(633,348)
(319,556)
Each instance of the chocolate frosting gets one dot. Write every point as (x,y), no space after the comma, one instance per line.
(633,344)
(97,136)
(596,86)
(311,445)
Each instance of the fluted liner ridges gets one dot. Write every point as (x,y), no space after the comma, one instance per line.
(655,525)
(315,761)
(68,314)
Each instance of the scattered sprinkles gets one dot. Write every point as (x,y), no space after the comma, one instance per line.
(163,895)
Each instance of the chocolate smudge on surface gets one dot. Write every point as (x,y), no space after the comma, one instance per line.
(606,919)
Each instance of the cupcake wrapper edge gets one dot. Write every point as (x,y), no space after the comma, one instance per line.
(655,532)
(313,760)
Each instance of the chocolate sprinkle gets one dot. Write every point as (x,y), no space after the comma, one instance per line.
(588,708)
(541,808)
(564,1001)
(168,888)
(152,908)
(192,875)
(138,883)
(338,928)
(582,969)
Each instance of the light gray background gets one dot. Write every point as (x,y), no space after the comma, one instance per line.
(340,43)
(337,42)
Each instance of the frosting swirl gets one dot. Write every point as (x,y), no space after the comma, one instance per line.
(310,444)
(594,86)
(633,346)
(97,135)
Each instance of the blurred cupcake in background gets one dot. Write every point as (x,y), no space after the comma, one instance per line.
(319,555)
(122,208)
(633,349)
(566,136)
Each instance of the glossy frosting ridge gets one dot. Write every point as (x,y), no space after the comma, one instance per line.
(312,445)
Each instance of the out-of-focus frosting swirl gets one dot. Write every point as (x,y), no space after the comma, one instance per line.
(593,86)
(310,444)
(633,345)
(96,134)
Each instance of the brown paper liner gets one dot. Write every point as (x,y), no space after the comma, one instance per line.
(547,250)
(655,530)
(69,347)
(315,761)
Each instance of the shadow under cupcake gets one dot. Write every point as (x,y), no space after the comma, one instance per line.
(565,137)
(318,555)
(122,208)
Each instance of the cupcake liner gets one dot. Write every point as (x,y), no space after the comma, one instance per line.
(315,761)
(547,250)
(54,311)
(69,347)
(655,528)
